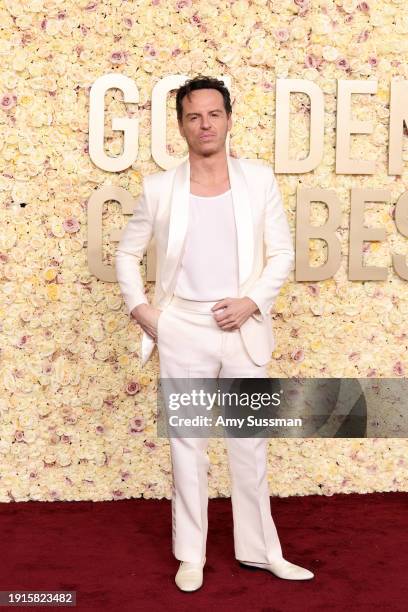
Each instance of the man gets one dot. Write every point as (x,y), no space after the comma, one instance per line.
(214,219)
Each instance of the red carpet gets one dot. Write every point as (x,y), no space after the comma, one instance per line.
(117,555)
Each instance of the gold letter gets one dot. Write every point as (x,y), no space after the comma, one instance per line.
(401,221)
(305,232)
(284,87)
(95,206)
(359,234)
(130,127)
(346,126)
(398,116)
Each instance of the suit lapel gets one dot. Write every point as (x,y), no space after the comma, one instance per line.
(178,220)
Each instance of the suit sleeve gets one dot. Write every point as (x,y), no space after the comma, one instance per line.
(280,255)
(129,253)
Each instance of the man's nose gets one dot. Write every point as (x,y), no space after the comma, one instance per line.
(205,122)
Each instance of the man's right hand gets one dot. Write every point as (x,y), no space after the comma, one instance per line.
(147,316)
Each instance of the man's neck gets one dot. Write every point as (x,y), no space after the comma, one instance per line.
(209,170)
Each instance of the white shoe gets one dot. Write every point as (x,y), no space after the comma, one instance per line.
(190,575)
(283,569)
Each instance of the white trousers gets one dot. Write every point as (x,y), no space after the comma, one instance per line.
(191,345)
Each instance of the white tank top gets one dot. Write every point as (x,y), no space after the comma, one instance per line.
(209,263)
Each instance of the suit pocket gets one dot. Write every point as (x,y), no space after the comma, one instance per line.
(258,339)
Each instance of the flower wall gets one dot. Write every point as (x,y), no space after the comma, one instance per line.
(77,411)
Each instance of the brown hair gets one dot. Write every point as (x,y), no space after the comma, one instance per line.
(202,82)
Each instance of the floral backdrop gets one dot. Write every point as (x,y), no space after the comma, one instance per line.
(77,411)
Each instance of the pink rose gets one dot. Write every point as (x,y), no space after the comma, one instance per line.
(398,368)
(132,387)
(23,341)
(313,289)
(364,7)
(342,63)
(71,225)
(7,101)
(117,494)
(282,34)
(311,61)
(118,57)
(137,424)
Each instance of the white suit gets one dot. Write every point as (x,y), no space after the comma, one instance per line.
(262,235)
(191,343)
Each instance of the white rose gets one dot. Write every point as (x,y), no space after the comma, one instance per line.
(330,54)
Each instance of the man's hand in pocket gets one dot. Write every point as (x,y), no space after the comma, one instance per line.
(147,316)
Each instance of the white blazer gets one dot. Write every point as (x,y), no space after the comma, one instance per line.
(265,249)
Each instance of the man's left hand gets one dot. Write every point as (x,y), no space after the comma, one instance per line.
(231,313)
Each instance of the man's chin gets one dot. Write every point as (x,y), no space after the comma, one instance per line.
(208,149)
(208,153)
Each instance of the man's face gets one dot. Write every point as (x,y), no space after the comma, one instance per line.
(205,123)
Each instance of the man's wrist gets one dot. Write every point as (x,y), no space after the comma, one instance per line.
(255,309)
(136,309)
